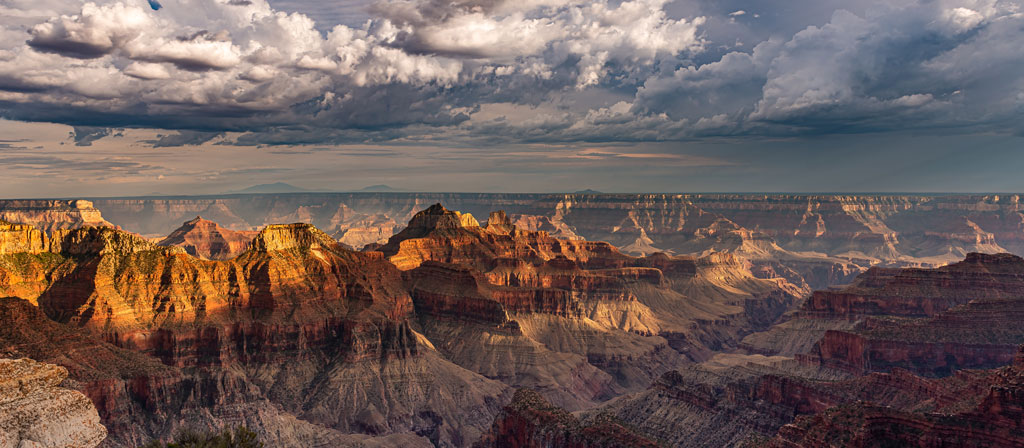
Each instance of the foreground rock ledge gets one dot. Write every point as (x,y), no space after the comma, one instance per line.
(35,412)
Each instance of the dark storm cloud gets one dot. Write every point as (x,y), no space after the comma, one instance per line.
(85,135)
(183,138)
(602,71)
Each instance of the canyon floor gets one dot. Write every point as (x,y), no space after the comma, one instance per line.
(407,319)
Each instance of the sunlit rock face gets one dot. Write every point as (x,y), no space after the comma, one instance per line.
(48,215)
(208,240)
(35,411)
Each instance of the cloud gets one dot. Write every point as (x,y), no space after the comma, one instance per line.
(85,135)
(427,70)
(183,138)
(95,32)
(892,68)
(94,168)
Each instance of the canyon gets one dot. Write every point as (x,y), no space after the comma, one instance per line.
(569,320)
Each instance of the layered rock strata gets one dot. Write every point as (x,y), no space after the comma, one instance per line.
(51,215)
(208,240)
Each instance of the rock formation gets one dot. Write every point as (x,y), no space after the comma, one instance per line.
(208,240)
(51,215)
(36,412)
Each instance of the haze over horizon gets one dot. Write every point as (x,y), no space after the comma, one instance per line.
(136,97)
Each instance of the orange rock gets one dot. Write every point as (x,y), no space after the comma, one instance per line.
(207,239)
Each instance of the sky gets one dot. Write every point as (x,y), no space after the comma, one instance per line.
(140,97)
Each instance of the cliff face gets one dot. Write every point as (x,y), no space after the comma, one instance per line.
(49,216)
(929,321)
(36,411)
(208,240)
(922,292)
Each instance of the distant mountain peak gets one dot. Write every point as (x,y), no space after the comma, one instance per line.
(589,191)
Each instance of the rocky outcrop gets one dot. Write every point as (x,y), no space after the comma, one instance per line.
(35,411)
(208,240)
(51,215)
(439,234)
(530,421)
(22,239)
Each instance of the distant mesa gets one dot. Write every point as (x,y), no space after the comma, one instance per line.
(380,189)
(276,187)
(589,191)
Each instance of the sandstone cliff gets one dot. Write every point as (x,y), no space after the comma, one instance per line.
(50,215)
(929,321)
